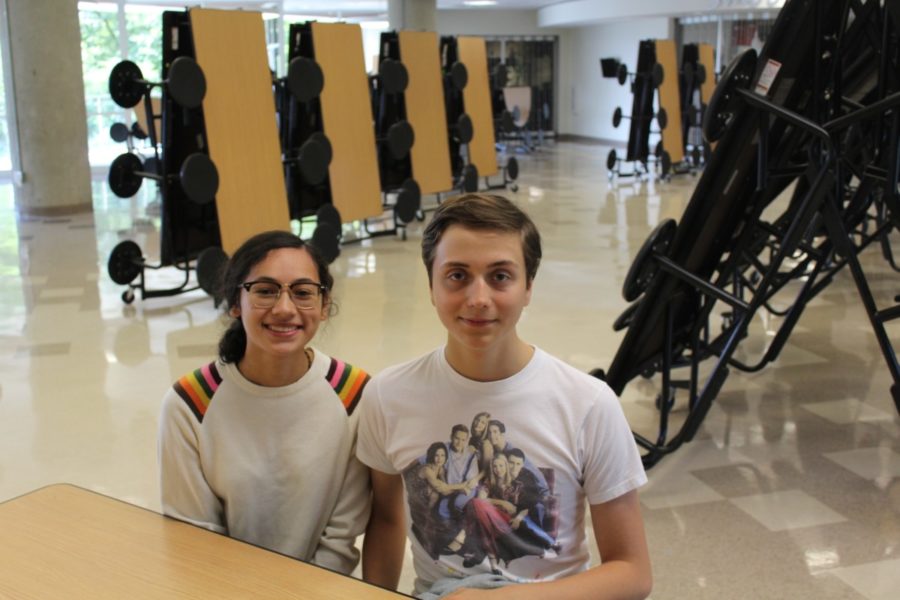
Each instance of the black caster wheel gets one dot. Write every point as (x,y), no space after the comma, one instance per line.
(669,404)
(128,296)
(514,188)
(599,374)
(408,201)
(611,160)
(665,164)
(696,156)
(420,215)
(727,322)
(511,170)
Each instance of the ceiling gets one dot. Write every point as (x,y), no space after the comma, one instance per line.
(339,8)
(548,13)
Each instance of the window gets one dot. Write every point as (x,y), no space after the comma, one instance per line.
(99,53)
(5,159)
(107,34)
(529,63)
(729,35)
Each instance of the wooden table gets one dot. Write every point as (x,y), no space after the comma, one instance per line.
(62,541)
(241,126)
(430,155)
(670,100)
(472,52)
(347,120)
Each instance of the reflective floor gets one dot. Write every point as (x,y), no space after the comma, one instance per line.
(791,489)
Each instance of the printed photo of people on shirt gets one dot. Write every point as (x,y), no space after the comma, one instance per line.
(478,496)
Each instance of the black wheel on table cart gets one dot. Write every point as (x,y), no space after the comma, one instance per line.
(125,262)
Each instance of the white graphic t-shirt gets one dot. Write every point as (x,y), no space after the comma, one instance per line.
(496,474)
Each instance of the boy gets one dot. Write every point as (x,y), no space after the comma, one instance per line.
(482,253)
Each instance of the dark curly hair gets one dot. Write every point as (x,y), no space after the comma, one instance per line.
(431,454)
(234,341)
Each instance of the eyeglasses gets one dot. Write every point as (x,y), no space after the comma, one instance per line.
(264,294)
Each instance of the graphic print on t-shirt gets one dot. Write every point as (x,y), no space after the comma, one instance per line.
(479,497)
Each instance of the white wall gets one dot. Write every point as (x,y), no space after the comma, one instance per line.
(587,100)
(491,22)
(584,100)
(576,13)
(502,23)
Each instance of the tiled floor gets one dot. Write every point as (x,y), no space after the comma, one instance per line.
(791,488)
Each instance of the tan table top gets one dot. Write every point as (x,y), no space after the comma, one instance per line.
(708,60)
(477,102)
(670,100)
(241,128)
(347,120)
(430,154)
(62,541)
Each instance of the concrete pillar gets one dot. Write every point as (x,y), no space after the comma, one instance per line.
(47,103)
(412,15)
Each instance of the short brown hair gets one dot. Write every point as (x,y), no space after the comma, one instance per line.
(487,212)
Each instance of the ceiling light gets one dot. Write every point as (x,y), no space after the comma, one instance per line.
(479,2)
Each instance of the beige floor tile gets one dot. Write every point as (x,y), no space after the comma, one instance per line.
(790,509)
(847,412)
(875,581)
(676,489)
(880,464)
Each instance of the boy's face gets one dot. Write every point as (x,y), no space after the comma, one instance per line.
(459,440)
(479,287)
(515,466)
(496,436)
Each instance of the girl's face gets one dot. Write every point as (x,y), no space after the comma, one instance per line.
(440,457)
(480,425)
(281,331)
(498,465)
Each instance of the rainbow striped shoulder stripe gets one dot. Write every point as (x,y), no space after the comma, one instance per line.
(197,388)
(348,382)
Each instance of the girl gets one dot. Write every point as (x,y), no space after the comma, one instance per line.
(259,445)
